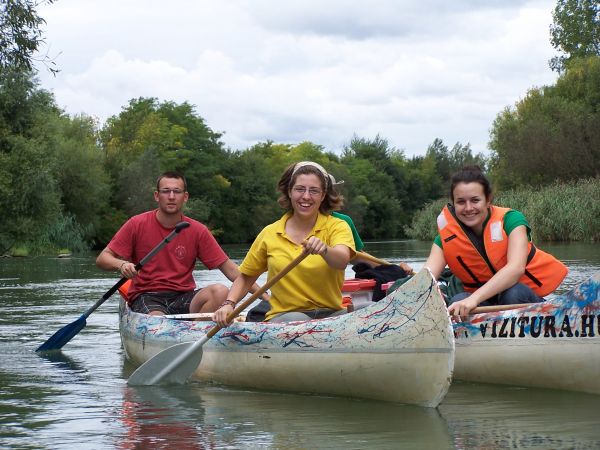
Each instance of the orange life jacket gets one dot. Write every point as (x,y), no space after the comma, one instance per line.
(543,272)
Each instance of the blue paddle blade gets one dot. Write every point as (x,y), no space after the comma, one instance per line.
(62,336)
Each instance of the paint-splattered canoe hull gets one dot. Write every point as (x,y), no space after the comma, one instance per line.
(400,349)
(555,344)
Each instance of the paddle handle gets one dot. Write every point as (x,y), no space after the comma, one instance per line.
(180,226)
(497,308)
(190,316)
(381,262)
(245,303)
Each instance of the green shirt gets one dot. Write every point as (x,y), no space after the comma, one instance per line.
(512,219)
(358,243)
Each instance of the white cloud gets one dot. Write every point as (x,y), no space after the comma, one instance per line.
(306,70)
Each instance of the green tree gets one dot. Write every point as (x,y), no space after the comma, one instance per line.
(250,194)
(437,167)
(29,196)
(141,126)
(21,35)
(376,185)
(149,137)
(447,162)
(53,189)
(575,31)
(426,183)
(553,133)
(81,178)
(31,200)
(248,199)
(462,155)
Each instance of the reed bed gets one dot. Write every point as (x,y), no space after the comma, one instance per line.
(557,212)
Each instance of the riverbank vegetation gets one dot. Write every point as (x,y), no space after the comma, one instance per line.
(556,212)
(69,182)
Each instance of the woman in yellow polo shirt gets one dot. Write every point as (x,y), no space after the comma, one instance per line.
(314,288)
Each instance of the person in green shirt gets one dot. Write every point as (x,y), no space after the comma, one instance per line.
(358,243)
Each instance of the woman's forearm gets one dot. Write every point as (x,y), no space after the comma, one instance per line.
(337,257)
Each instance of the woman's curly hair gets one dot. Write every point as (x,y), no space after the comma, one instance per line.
(333,200)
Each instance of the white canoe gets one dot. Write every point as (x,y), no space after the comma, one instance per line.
(400,349)
(555,344)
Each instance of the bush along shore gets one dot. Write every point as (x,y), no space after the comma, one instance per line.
(557,212)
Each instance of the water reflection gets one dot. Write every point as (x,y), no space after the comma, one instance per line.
(156,417)
(490,416)
(228,418)
(59,361)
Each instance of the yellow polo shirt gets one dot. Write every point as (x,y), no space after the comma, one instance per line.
(312,284)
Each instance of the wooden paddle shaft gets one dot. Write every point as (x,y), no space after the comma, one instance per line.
(498,308)
(381,262)
(201,317)
(372,258)
(245,303)
(190,316)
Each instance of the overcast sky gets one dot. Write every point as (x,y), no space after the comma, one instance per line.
(296,70)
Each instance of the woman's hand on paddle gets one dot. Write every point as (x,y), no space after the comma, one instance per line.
(315,246)
(336,257)
(462,308)
(220,315)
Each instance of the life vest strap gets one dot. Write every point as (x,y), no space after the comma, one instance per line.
(470,272)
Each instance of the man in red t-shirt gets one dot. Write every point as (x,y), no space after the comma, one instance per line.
(165,285)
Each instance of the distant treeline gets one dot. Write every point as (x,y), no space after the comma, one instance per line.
(69,182)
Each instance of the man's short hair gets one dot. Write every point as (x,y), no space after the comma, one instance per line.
(172,174)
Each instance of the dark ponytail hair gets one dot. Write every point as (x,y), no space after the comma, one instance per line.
(471,174)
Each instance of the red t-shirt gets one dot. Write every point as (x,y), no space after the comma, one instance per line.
(171,268)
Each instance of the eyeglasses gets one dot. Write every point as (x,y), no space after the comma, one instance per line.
(167,191)
(313,192)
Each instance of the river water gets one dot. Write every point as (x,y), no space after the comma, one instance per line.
(78,398)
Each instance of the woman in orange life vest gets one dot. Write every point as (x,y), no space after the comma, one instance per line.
(489,249)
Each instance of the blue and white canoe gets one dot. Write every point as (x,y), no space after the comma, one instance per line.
(400,349)
(555,344)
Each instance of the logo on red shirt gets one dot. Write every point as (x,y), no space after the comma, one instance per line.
(180,252)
